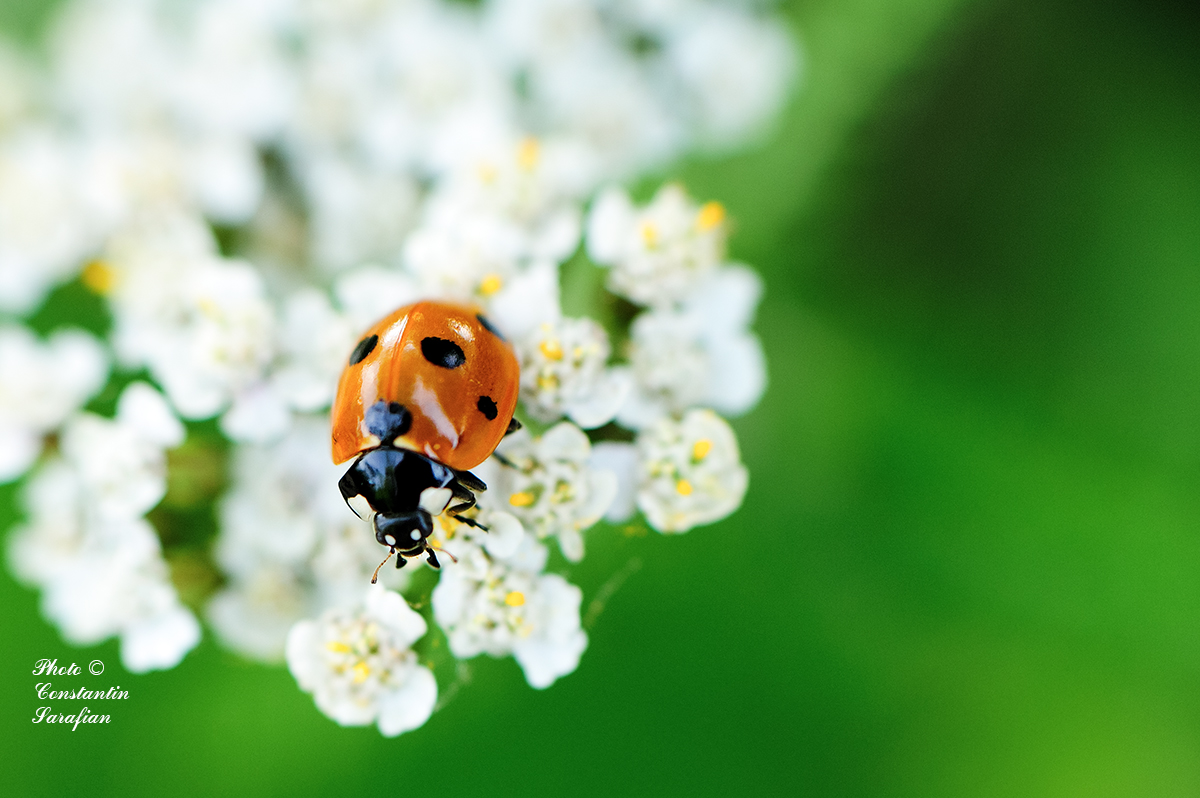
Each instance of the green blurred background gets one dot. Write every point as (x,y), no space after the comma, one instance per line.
(970,555)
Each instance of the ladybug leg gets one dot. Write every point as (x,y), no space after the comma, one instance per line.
(433,560)
(471,522)
(467,480)
(466,500)
(513,426)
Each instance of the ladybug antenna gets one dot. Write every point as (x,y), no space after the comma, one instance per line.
(375,576)
(443,551)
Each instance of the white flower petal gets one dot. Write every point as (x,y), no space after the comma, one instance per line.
(408,707)
(504,535)
(160,642)
(529,299)
(257,416)
(739,374)
(19,448)
(611,217)
(144,410)
(619,459)
(610,393)
(391,610)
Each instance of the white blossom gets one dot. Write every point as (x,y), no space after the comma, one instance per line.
(98,562)
(529,299)
(606,99)
(565,371)
(357,212)
(114,60)
(465,257)
(689,471)
(737,69)
(497,532)
(359,666)
(550,487)
(202,324)
(656,254)
(393,83)
(507,606)
(122,461)
(46,228)
(621,460)
(542,33)
(313,342)
(701,353)
(367,294)
(254,614)
(531,185)
(42,384)
(235,77)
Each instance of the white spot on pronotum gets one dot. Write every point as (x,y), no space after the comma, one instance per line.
(416,535)
(434,500)
(391,539)
(360,506)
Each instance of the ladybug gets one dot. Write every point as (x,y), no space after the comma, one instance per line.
(426,395)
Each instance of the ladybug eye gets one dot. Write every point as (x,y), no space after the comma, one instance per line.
(441,352)
(365,347)
(487,407)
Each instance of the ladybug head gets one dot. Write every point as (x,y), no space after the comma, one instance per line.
(404,532)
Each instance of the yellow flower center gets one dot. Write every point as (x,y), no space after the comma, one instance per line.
(522,499)
(515,598)
(528,153)
(701,449)
(711,214)
(337,647)
(361,672)
(99,278)
(490,284)
(650,235)
(683,487)
(551,348)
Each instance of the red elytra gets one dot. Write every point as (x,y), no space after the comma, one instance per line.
(448,366)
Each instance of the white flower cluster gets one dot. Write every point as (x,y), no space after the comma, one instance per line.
(89,548)
(42,385)
(248,185)
(689,348)
(359,665)
(548,484)
(500,601)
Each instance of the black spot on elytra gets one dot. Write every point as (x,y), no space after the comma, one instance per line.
(365,347)
(487,325)
(388,420)
(441,352)
(487,407)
